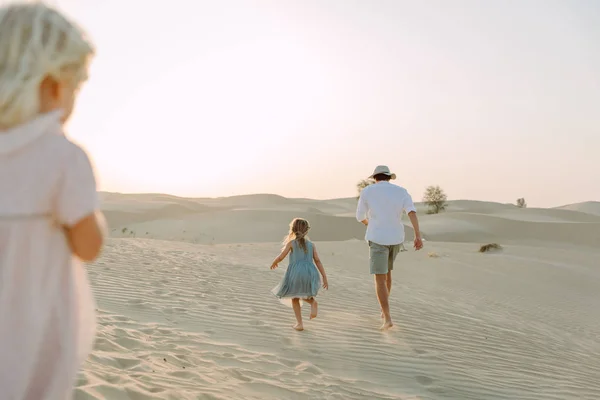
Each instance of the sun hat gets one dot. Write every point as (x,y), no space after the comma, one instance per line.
(382,169)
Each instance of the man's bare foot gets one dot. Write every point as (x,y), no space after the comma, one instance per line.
(386,325)
(299,327)
(314,309)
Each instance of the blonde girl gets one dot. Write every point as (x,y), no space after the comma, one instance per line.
(48,203)
(301,280)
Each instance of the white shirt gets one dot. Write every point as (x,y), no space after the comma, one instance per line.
(382,204)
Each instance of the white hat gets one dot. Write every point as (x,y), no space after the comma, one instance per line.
(382,169)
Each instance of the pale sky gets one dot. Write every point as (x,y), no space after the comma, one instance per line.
(491,100)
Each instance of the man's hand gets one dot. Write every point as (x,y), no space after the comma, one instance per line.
(365,222)
(415,223)
(418,243)
(274,265)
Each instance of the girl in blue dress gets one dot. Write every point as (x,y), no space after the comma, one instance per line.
(301,280)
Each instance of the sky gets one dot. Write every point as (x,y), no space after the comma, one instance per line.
(491,100)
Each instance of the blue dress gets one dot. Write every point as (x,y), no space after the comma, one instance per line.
(302,279)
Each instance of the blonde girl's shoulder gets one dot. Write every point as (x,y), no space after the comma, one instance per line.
(64,149)
(63,159)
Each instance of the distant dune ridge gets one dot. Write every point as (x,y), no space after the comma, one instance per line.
(183,290)
(259,218)
(588,207)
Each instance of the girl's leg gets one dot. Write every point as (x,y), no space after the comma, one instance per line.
(314,307)
(298,313)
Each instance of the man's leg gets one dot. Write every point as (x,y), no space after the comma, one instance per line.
(379,261)
(393,253)
(388,282)
(383,297)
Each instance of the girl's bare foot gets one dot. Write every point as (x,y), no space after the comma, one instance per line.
(314,309)
(299,327)
(386,325)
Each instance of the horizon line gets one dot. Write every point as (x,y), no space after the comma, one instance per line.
(315,199)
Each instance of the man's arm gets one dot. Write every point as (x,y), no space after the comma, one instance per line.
(411,210)
(361,210)
(415,223)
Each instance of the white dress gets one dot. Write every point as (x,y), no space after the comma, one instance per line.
(47,311)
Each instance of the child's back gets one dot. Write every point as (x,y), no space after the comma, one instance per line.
(48,201)
(298,254)
(301,279)
(38,165)
(46,182)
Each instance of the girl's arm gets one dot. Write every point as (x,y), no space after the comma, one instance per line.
(282,255)
(77,205)
(87,236)
(319,265)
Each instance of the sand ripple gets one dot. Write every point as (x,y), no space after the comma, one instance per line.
(185,321)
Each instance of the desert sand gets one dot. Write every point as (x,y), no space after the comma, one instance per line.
(185,309)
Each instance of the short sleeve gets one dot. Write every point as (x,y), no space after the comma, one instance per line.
(77,193)
(408,205)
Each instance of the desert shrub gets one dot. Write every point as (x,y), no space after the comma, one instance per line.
(489,247)
(435,198)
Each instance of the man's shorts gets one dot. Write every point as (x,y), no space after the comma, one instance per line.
(382,257)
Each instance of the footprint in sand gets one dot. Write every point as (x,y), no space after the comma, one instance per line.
(285,340)
(137,302)
(424,380)
(239,375)
(127,363)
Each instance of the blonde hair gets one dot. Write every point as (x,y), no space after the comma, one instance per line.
(36,42)
(298,230)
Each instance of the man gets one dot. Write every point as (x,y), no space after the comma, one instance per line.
(380,208)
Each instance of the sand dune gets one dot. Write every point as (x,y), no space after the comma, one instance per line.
(187,313)
(474,206)
(239,226)
(589,207)
(545,215)
(471,227)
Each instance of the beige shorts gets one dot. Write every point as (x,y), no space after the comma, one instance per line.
(382,257)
